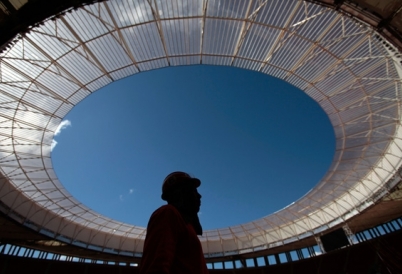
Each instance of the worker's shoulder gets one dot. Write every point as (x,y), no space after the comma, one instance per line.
(166,210)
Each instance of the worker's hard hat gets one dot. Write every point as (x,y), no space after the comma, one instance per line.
(177,180)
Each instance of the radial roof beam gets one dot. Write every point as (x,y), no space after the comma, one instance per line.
(121,37)
(59,66)
(87,50)
(310,54)
(204,15)
(155,13)
(281,37)
(246,25)
(38,84)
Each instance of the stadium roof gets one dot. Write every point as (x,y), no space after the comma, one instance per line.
(345,58)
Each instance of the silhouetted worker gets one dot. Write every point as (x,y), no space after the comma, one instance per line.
(171,244)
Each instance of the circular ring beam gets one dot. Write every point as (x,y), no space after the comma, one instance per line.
(342,63)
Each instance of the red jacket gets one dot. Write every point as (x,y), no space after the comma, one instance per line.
(171,246)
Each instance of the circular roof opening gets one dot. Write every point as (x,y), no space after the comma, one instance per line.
(256,142)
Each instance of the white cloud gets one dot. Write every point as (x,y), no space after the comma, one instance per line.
(122,196)
(53,145)
(63,125)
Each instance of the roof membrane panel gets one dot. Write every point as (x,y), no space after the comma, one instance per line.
(226,34)
(112,55)
(228,8)
(281,18)
(182,37)
(259,40)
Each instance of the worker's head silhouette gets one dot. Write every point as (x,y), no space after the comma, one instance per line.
(180,190)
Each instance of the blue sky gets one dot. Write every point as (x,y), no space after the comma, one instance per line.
(256,142)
